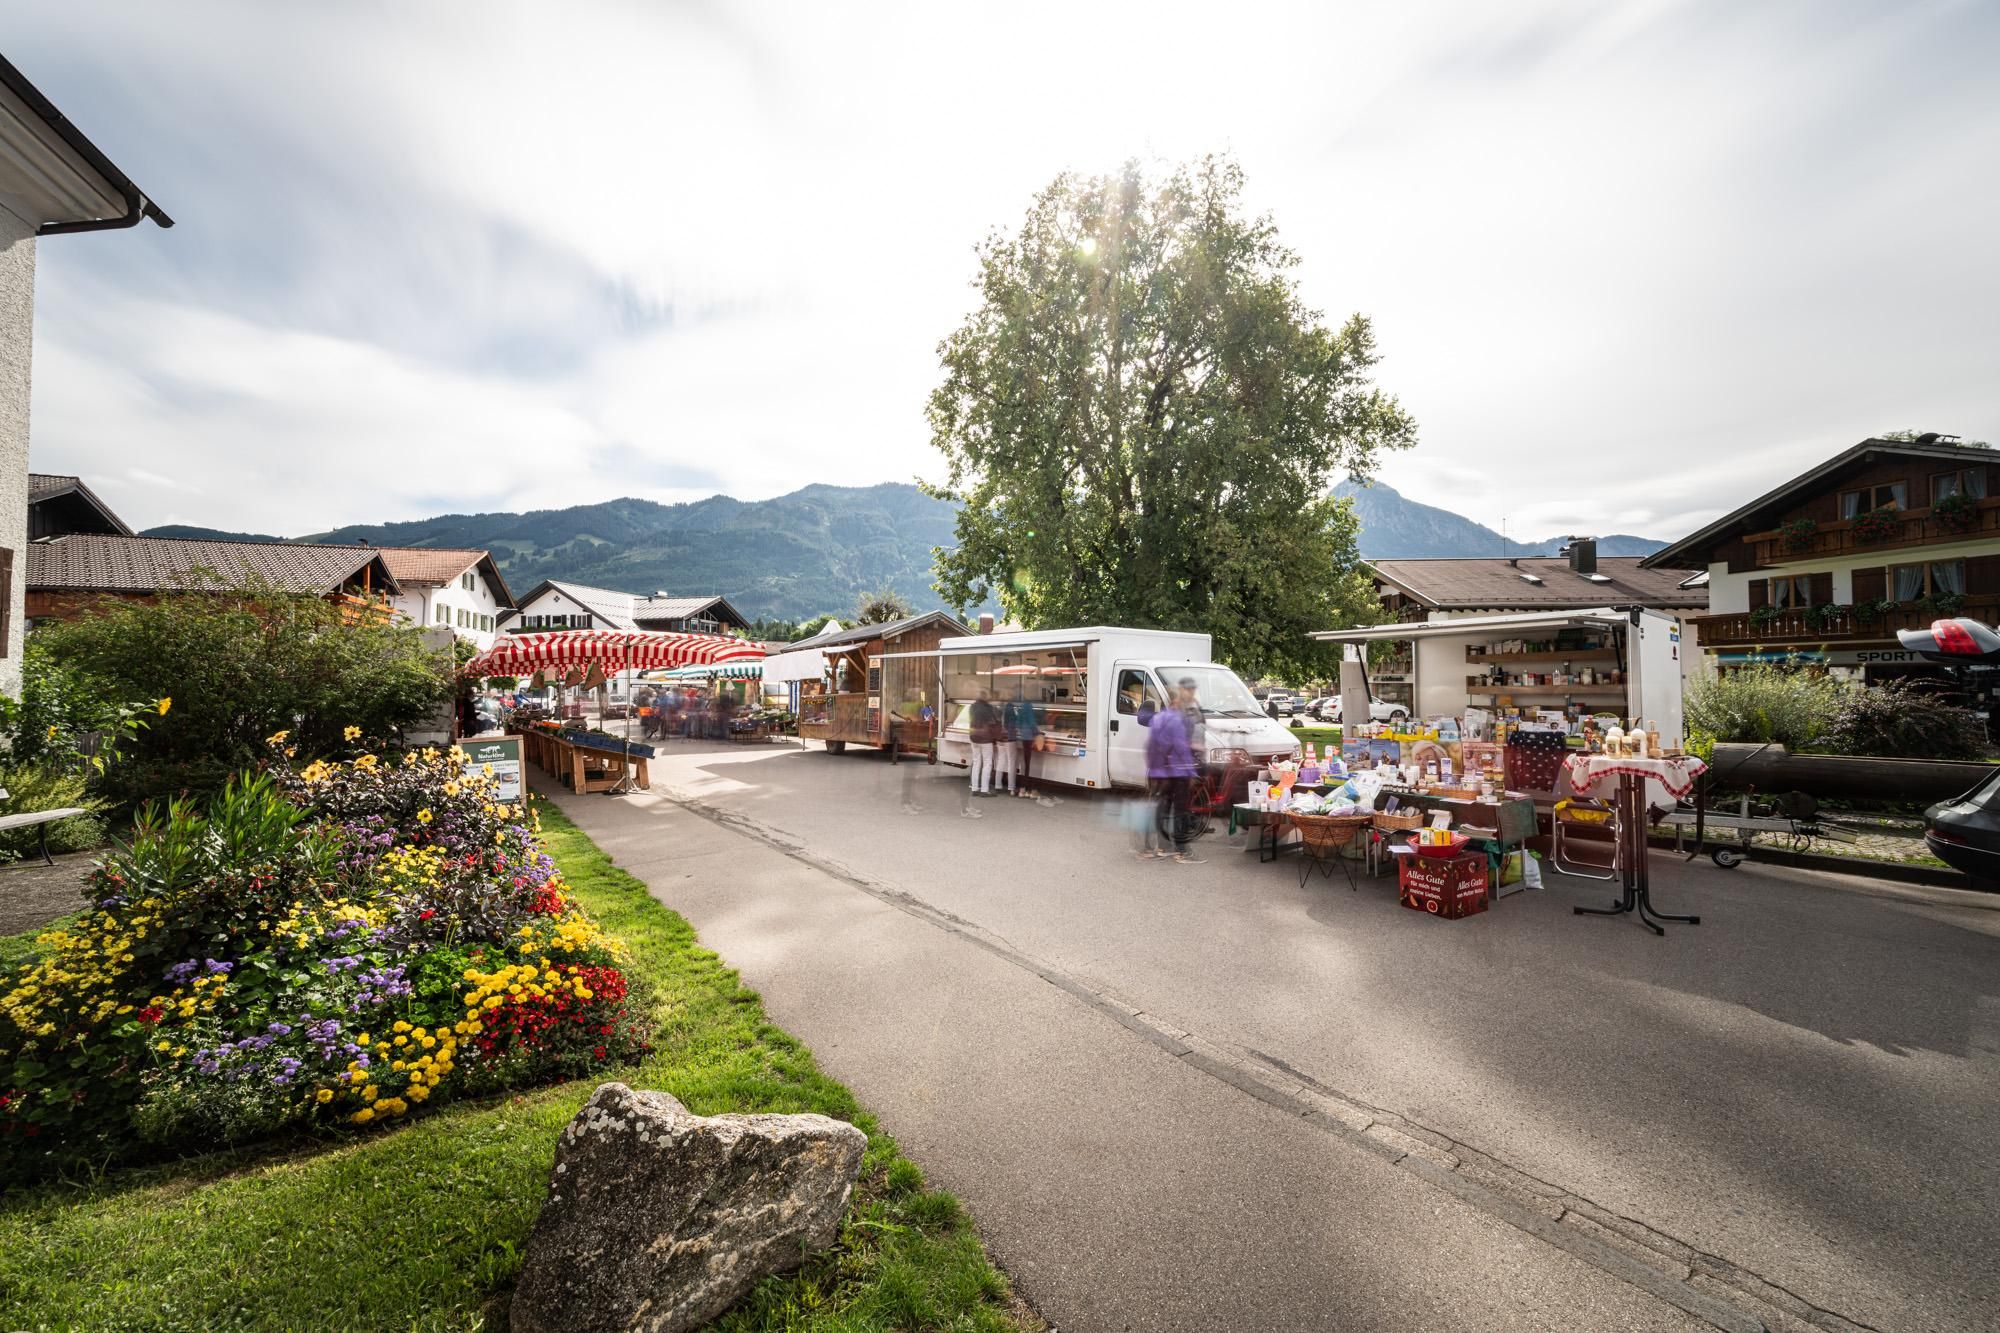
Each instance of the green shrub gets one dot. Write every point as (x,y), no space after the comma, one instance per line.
(33,787)
(1901,719)
(1764,702)
(240,665)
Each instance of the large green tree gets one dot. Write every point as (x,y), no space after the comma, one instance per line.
(1141,420)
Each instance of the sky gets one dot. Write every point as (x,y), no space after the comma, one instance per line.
(1628,265)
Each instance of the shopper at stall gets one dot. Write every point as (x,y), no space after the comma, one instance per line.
(1171,767)
(1020,724)
(987,731)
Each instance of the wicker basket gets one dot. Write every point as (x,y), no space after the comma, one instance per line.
(1456,793)
(1400,821)
(1326,834)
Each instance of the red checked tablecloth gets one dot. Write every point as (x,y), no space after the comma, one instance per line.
(1667,780)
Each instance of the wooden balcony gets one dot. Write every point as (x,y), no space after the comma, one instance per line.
(1833,627)
(1916,527)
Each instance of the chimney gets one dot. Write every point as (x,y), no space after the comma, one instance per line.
(985,622)
(1582,553)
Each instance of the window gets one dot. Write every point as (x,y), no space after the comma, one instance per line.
(1135,688)
(444,615)
(1935,579)
(1966,481)
(1889,495)
(1792,594)
(466,581)
(1053,679)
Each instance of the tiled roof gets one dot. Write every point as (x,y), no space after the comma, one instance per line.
(428,564)
(1496,584)
(612,607)
(43,484)
(99,562)
(890,630)
(687,608)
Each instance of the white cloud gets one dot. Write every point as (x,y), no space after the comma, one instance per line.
(1627,266)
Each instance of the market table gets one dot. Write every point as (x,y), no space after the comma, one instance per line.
(1636,785)
(1513,822)
(1270,828)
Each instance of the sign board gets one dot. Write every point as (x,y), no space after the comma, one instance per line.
(1823,656)
(504,754)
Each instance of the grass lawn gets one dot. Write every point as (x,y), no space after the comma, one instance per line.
(421,1226)
(1320,736)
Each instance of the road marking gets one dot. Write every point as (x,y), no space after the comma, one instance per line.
(1653,1261)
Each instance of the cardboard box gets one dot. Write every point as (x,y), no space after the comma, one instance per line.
(1446,886)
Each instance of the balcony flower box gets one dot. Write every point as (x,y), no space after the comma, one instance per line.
(1798,536)
(1879,525)
(1956,513)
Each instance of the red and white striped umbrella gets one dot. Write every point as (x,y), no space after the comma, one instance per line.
(612,650)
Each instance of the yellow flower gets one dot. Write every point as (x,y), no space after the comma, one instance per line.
(352,733)
(423,816)
(165,1045)
(165,704)
(52,731)
(363,1116)
(324,1095)
(277,738)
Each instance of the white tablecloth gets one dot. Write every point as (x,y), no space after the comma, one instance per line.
(1595,776)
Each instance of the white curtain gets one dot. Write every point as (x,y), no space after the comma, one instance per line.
(1909,582)
(1975,483)
(1948,576)
(1850,504)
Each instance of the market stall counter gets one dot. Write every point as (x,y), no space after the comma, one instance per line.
(586,761)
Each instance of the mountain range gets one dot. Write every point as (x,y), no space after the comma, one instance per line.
(816,550)
(1395,527)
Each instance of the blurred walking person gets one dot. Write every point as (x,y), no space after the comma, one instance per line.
(1171,767)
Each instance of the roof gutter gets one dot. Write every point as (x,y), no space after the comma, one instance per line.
(137,206)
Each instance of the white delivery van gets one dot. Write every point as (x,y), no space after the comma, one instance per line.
(1088,687)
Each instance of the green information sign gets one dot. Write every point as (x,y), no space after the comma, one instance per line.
(498,758)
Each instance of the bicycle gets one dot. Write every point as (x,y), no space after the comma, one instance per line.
(1210,793)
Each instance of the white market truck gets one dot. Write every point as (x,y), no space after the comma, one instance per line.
(1621,660)
(1088,687)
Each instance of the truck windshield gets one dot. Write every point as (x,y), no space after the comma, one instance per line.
(1216,689)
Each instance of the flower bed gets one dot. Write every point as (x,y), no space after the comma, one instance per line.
(332,946)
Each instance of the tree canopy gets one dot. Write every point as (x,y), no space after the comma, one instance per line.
(1141,421)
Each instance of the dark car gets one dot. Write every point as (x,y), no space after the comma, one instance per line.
(1964,832)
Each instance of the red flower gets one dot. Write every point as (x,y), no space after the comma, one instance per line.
(599,1052)
(426,914)
(152,1013)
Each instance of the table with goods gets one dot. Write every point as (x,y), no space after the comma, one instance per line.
(587,761)
(1452,799)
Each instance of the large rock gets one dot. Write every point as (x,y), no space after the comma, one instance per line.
(660,1220)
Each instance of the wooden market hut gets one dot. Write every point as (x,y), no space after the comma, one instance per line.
(866,695)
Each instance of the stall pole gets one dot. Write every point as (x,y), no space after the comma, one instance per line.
(1633,876)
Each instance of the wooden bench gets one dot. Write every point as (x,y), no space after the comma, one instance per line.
(43,818)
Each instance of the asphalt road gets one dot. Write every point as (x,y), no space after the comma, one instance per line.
(1208,1096)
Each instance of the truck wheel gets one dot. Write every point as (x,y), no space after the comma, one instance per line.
(835,747)
(1727,857)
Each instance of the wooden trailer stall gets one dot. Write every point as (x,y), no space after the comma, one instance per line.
(867,694)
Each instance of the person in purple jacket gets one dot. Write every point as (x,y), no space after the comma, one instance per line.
(1170,765)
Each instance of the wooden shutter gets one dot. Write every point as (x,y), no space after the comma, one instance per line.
(1982,575)
(1872,585)
(6,602)
(1760,594)
(1821,588)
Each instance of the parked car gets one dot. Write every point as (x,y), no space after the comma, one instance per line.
(1964,832)
(1387,710)
(1282,703)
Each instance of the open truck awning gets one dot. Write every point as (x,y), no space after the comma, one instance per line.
(1606,617)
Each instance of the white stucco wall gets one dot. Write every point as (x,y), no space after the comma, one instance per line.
(17,337)
(471,615)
